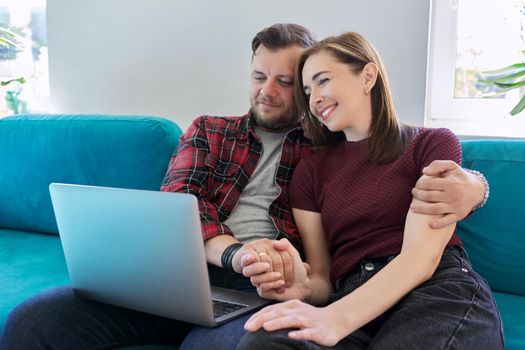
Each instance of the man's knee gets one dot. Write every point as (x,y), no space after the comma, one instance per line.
(28,320)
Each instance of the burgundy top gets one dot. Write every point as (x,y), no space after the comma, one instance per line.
(364,205)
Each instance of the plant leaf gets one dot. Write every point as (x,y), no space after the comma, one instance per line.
(519,107)
(504,69)
(510,85)
(21,80)
(503,79)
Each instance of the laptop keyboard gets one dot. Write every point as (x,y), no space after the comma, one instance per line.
(221,307)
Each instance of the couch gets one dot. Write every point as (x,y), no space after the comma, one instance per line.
(35,150)
(494,236)
(133,152)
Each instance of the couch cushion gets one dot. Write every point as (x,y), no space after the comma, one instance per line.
(512,308)
(30,263)
(494,235)
(115,151)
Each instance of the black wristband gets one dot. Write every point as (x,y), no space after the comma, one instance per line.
(227,255)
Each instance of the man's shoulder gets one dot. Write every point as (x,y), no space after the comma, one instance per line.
(220,122)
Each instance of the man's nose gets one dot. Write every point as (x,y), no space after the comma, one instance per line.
(269,89)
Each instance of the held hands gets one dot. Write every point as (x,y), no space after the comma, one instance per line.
(447,189)
(263,263)
(323,326)
(297,288)
(275,268)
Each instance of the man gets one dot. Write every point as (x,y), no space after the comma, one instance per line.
(239,169)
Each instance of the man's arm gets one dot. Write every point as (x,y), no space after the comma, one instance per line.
(448,190)
(188,173)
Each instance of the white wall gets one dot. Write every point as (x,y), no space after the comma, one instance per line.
(183,58)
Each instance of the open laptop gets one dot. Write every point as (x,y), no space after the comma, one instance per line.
(142,250)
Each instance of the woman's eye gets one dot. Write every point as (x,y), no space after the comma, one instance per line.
(322,81)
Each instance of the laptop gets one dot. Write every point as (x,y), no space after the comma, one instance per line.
(142,250)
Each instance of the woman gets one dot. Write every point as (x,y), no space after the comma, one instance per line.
(387,279)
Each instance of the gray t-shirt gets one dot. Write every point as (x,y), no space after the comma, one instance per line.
(250,219)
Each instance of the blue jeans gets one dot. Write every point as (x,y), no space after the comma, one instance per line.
(454,309)
(58,319)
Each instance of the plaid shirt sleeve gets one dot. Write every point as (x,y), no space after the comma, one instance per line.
(188,173)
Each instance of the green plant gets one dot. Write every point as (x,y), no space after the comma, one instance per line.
(511,77)
(8,39)
(504,80)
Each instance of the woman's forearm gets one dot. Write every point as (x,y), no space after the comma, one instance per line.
(420,255)
(384,290)
(319,290)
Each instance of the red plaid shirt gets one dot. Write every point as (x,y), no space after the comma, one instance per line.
(214,161)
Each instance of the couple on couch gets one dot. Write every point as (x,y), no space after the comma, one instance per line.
(320,198)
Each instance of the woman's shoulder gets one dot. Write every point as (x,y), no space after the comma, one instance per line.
(435,143)
(438,135)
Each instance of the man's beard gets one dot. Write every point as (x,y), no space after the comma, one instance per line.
(284,120)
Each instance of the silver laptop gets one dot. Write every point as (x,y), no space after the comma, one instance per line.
(142,250)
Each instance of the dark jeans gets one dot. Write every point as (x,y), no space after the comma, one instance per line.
(58,319)
(455,309)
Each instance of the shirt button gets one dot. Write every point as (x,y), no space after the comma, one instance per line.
(464,269)
(369,266)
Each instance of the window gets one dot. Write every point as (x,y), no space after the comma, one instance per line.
(468,37)
(23,57)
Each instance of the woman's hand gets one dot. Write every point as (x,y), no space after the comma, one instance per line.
(320,325)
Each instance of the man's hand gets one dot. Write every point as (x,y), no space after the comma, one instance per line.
(263,263)
(446,188)
(298,288)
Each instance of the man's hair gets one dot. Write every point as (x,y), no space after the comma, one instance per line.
(282,35)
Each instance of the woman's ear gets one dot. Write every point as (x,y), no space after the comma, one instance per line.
(370,76)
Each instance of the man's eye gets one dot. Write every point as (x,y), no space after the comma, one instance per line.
(258,78)
(287,83)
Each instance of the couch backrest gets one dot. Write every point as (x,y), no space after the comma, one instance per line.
(494,235)
(103,150)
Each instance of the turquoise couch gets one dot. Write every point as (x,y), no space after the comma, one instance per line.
(35,150)
(133,152)
(494,236)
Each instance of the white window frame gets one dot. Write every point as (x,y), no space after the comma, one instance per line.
(469,117)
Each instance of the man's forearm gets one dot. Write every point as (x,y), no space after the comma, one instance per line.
(214,247)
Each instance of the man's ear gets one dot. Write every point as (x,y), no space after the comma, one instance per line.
(370,76)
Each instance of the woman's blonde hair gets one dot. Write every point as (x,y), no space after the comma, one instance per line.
(388,137)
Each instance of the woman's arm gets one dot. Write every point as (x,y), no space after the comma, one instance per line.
(420,255)
(317,255)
